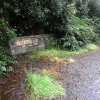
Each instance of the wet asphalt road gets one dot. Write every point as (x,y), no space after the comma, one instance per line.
(82,78)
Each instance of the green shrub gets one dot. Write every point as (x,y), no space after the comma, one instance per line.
(5,55)
(6,34)
(2,67)
(80,31)
(52,44)
(42,85)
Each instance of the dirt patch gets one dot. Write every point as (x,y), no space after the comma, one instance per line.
(11,83)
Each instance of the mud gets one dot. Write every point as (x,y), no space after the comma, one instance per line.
(81,79)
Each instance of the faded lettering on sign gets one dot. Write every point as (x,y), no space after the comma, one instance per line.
(23,42)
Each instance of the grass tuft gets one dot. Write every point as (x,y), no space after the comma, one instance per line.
(42,85)
(91,47)
(62,53)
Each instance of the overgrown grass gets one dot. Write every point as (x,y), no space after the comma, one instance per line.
(42,85)
(62,53)
(91,47)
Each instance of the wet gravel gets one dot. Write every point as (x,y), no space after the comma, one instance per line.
(82,78)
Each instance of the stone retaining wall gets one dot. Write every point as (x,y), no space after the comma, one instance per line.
(29,43)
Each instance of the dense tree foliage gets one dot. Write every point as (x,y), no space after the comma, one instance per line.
(37,16)
(50,16)
(94,7)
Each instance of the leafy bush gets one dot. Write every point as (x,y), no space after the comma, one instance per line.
(6,56)
(79,31)
(6,34)
(42,85)
(2,67)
